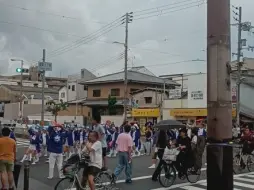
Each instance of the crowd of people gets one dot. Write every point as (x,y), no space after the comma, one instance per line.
(59,142)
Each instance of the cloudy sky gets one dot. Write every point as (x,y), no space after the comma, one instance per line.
(164,39)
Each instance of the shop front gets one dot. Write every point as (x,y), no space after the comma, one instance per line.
(186,115)
(142,116)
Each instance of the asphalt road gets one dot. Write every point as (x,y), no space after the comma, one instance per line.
(141,175)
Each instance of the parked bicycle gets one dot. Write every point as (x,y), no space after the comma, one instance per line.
(241,161)
(71,171)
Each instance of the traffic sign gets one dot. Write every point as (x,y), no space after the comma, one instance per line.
(45,66)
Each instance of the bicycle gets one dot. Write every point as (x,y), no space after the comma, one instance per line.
(75,163)
(241,161)
(170,171)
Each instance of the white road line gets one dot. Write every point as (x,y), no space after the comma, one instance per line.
(244,179)
(146,177)
(191,188)
(201,182)
(243,185)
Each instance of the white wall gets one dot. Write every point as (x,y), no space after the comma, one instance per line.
(78,93)
(197,85)
(63,94)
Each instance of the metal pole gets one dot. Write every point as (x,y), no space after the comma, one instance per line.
(21,90)
(26,176)
(219,154)
(125,66)
(42,89)
(239,64)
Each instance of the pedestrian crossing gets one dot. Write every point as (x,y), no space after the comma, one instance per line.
(241,182)
(22,143)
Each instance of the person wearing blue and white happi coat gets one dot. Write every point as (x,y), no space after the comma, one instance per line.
(44,143)
(115,133)
(136,139)
(202,131)
(56,151)
(70,142)
(34,141)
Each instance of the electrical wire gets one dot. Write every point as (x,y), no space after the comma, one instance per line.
(163,13)
(168,8)
(95,35)
(47,13)
(37,28)
(162,6)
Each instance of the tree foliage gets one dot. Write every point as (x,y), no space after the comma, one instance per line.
(55,108)
(112,105)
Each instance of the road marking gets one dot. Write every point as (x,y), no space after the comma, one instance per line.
(243,185)
(244,179)
(191,188)
(201,182)
(146,177)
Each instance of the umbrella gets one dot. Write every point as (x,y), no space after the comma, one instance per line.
(55,124)
(169,124)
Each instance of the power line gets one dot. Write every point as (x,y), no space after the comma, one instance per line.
(162,6)
(105,29)
(37,28)
(163,13)
(172,63)
(176,5)
(47,13)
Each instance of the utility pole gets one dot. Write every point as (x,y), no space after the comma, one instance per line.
(21,90)
(128,19)
(219,106)
(239,64)
(242,26)
(43,86)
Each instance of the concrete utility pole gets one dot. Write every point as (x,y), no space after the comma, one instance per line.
(43,86)
(219,154)
(239,64)
(128,19)
(242,26)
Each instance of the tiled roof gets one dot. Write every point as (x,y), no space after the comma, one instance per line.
(30,89)
(133,76)
(35,91)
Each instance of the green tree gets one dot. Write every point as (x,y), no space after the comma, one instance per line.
(112,105)
(55,108)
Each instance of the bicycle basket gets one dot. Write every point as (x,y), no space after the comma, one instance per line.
(170,154)
(68,169)
(73,159)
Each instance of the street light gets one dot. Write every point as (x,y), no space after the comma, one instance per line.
(21,85)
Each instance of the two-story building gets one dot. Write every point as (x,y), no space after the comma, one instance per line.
(113,84)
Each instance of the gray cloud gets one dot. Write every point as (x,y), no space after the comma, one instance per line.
(169,38)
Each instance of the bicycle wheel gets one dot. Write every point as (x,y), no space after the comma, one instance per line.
(237,168)
(104,181)
(170,175)
(250,163)
(196,175)
(65,183)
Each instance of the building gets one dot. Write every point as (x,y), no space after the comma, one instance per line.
(34,77)
(247,65)
(73,90)
(100,88)
(193,105)
(32,97)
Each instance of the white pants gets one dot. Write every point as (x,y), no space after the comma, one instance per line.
(57,159)
(148,147)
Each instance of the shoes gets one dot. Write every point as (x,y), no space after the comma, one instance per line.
(152,166)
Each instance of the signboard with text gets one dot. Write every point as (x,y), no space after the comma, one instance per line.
(175,93)
(45,66)
(145,112)
(197,95)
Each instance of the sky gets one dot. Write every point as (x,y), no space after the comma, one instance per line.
(166,36)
